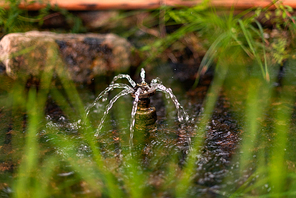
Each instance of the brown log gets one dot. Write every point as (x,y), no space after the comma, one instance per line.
(142,4)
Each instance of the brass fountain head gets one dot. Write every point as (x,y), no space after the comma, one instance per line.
(145,117)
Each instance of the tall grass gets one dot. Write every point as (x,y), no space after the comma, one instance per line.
(98,176)
(217,31)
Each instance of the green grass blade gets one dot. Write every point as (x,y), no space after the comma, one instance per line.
(186,179)
(267,76)
(29,162)
(42,183)
(283,113)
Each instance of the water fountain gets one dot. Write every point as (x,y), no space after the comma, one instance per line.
(143,116)
(143,144)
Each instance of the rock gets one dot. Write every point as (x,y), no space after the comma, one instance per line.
(84,55)
(98,19)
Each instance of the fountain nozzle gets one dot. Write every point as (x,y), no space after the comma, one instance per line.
(145,117)
(146,91)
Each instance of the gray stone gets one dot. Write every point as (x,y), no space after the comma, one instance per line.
(84,55)
(99,19)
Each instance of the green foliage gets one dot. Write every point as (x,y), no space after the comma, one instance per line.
(14,19)
(220,33)
(101,176)
(74,22)
(280,53)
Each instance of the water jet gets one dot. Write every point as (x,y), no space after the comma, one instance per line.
(143,116)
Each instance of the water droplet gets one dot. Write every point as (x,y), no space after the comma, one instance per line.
(266,185)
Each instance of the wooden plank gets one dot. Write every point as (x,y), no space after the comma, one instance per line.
(142,4)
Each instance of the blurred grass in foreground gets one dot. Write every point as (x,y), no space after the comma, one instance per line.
(265,155)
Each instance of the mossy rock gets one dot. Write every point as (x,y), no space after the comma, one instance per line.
(84,55)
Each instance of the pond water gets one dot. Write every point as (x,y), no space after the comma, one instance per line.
(216,165)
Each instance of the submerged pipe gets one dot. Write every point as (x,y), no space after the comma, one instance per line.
(145,118)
